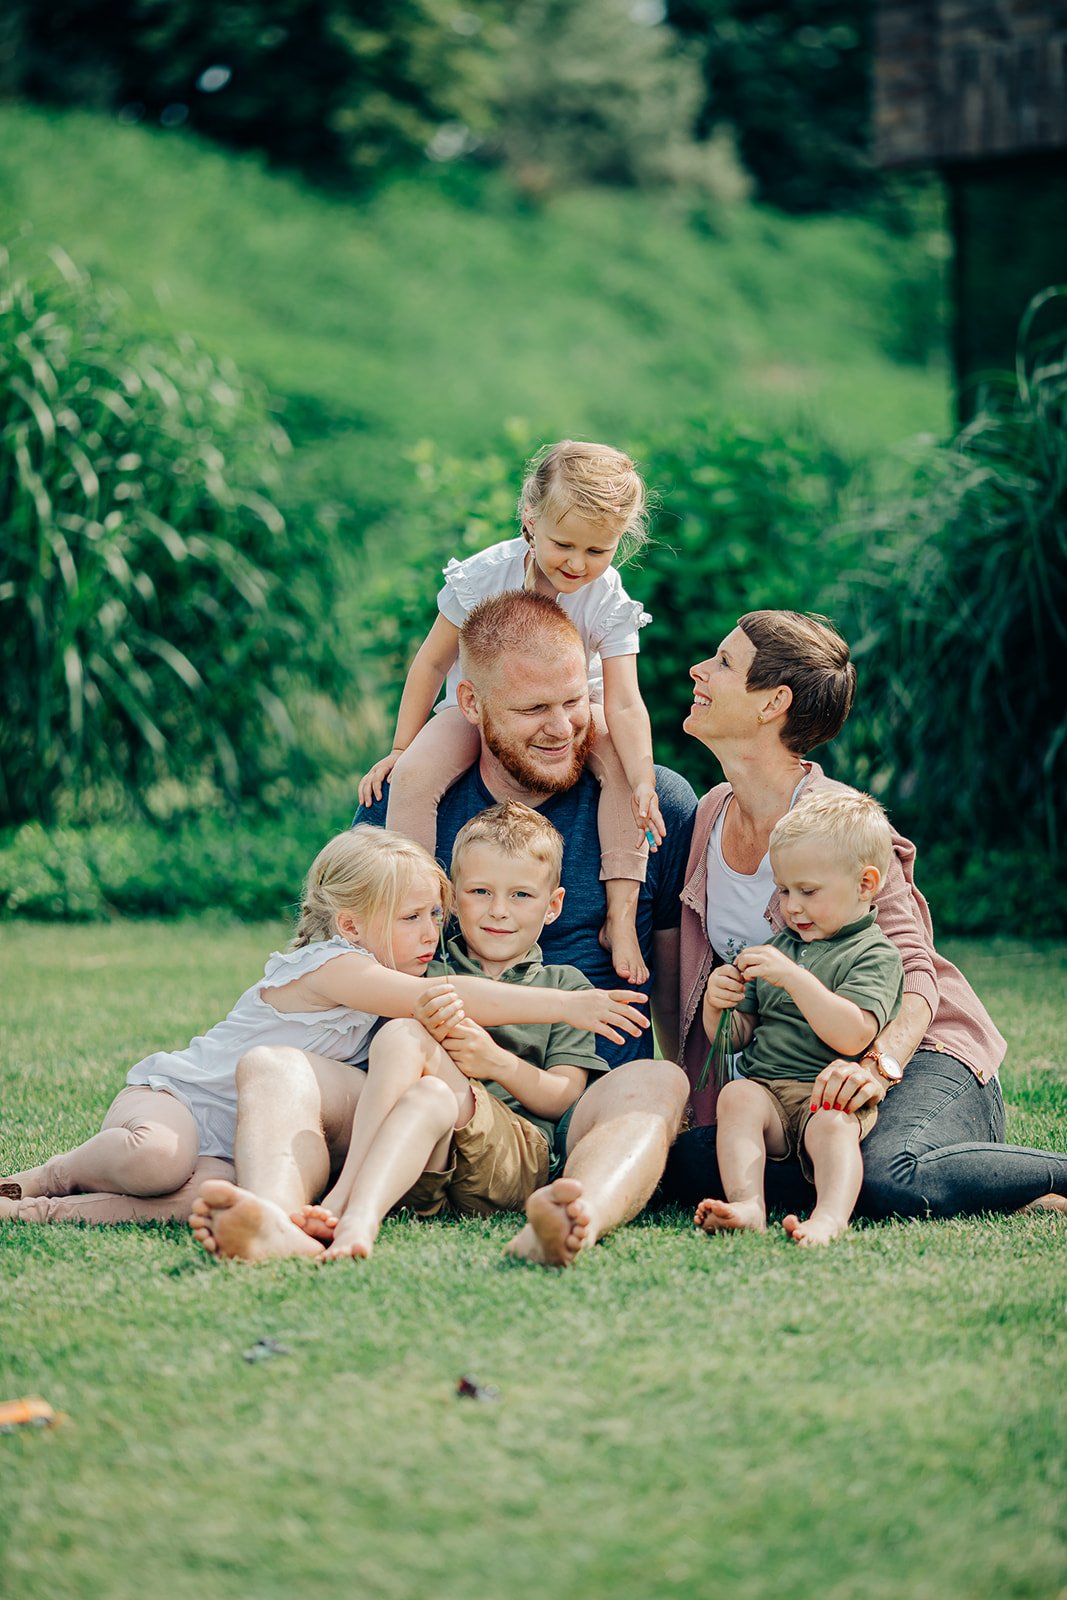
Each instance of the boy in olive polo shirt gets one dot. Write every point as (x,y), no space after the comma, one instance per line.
(526,1078)
(821,990)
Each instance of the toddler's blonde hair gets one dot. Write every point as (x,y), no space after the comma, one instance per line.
(515,829)
(600,483)
(367,871)
(852,822)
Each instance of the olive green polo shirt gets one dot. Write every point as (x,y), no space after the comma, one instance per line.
(858,962)
(543,1044)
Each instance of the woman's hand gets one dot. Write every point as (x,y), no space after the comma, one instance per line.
(647,814)
(605,1011)
(847,1086)
(439,1008)
(370,785)
(726,988)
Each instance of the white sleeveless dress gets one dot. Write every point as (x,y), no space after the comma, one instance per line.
(202,1076)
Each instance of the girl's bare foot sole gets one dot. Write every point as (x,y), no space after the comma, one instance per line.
(731,1216)
(229,1221)
(558,1226)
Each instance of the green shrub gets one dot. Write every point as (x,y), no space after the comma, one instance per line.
(957,607)
(154,606)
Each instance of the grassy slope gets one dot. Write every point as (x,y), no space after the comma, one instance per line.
(679,1416)
(417,315)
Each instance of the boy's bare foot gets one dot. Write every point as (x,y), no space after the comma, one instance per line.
(318,1222)
(558,1226)
(728,1216)
(28,1185)
(815,1229)
(1047,1202)
(229,1221)
(618,937)
(355,1237)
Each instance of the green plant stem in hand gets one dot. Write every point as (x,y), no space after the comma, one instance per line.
(720,1053)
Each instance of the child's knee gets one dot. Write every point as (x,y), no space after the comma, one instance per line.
(435,1103)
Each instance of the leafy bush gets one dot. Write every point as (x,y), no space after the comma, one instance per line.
(958,607)
(154,606)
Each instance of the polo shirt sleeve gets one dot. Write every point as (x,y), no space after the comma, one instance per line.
(875,981)
(667,867)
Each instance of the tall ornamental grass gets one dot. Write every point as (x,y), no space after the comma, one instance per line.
(150,614)
(958,611)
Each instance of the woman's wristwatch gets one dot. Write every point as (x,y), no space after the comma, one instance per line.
(887,1067)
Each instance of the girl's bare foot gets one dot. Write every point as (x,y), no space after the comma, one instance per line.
(9,1210)
(318,1222)
(229,1221)
(618,937)
(28,1185)
(355,1237)
(1048,1202)
(817,1229)
(728,1216)
(558,1226)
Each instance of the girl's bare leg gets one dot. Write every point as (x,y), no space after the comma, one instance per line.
(832,1139)
(415,1135)
(147,1145)
(440,753)
(749,1130)
(113,1208)
(623,855)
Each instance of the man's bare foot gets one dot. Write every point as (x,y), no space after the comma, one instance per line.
(729,1216)
(815,1229)
(558,1226)
(619,938)
(356,1236)
(318,1222)
(28,1185)
(1047,1202)
(229,1221)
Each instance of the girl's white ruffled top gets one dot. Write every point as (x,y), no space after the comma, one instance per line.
(202,1075)
(605,616)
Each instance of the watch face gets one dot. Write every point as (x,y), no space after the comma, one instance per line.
(890,1067)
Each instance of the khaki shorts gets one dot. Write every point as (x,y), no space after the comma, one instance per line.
(792,1101)
(498,1160)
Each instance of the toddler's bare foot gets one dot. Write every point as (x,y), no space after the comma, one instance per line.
(558,1226)
(318,1222)
(1047,1202)
(356,1236)
(618,937)
(28,1185)
(727,1216)
(229,1221)
(819,1228)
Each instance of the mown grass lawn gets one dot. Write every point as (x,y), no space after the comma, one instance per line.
(678,1416)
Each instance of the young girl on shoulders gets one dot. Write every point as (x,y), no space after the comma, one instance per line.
(580,503)
(369,926)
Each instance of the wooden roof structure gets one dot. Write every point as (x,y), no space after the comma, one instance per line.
(964,80)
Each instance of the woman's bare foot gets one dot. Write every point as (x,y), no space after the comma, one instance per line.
(817,1229)
(355,1236)
(729,1216)
(1047,1202)
(318,1222)
(618,937)
(28,1185)
(558,1226)
(9,1209)
(229,1221)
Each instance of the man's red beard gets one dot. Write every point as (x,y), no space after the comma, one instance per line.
(515,761)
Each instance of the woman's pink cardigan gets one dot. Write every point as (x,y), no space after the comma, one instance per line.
(961,1026)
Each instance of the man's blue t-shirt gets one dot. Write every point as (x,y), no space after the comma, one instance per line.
(572,940)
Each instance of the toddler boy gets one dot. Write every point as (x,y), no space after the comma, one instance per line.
(822,989)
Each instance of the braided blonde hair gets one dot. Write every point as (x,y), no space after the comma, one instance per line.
(597,481)
(367,871)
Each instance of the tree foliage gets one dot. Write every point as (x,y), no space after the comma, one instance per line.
(153,603)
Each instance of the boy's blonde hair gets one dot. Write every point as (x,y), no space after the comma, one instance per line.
(853,822)
(515,829)
(598,482)
(367,871)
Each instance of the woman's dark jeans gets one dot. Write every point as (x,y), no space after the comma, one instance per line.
(935,1151)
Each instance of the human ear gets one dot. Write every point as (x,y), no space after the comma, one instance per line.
(555,904)
(467,700)
(348,927)
(870,883)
